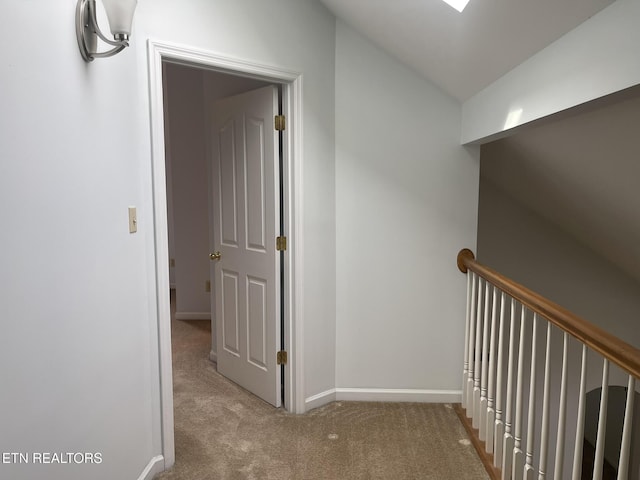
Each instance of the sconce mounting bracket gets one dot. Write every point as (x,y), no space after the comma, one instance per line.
(87,33)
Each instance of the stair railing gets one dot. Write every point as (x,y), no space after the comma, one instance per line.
(501,381)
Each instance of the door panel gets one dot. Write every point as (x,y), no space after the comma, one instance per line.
(255,185)
(228,203)
(230,321)
(257,322)
(245,208)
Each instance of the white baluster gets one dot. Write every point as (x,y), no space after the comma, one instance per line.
(491,416)
(562,411)
(602,422)
(482,431)
(465,358)
(544,435)
(529,470)
(579,442)
(478,365)
(507,448)
(518,454)
(625,446)
(472,338)
(499,423)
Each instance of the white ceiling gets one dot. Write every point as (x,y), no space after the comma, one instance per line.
(464,52)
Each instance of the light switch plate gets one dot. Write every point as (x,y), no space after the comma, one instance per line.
(133,220)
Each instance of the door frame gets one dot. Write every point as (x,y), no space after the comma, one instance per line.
(157,53)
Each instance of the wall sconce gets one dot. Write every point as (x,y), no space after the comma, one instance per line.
(120,16)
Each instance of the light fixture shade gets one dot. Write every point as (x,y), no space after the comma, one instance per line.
(120,15)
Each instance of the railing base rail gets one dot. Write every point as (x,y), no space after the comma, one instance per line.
(479,445)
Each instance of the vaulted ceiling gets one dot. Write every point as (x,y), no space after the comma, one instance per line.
(464,52)
(579,170)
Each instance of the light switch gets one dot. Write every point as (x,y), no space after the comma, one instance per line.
(133,220)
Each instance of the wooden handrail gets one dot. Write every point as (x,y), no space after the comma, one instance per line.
(609,346)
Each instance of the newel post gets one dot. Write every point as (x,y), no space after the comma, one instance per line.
(465,255)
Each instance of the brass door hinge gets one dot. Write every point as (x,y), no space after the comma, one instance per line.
(281,358)
(281,244)
(280,123)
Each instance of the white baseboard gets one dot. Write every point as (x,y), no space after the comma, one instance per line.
(193,316)
(398,395)
(320,399)
(155,466)
(382,395)
(213,356)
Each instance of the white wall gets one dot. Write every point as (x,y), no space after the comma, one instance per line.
(262,32)
(187,167)
(79,317)
(406,197)
(595,59)
(77,344)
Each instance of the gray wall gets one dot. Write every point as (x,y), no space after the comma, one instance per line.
(540,255)
(187,181)
(406,193)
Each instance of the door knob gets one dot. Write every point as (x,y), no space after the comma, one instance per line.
(215,256)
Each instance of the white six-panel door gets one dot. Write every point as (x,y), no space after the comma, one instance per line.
(245,214)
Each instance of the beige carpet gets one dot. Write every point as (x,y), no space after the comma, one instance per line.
(224,432)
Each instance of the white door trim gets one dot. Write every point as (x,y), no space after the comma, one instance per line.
(293,208)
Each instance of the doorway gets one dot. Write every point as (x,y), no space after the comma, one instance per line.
(292,198)
(233,209)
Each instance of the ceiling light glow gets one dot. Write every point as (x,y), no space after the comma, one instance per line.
(457,4)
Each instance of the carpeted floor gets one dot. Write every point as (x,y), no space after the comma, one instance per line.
(223,432)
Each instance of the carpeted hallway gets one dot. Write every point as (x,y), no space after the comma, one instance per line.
(223,432)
